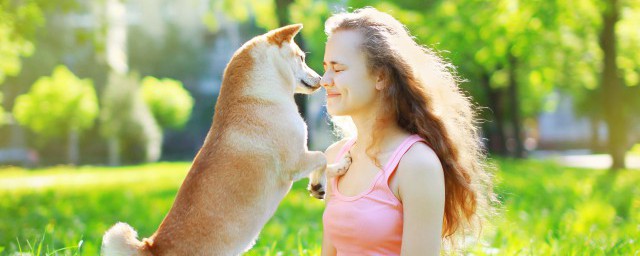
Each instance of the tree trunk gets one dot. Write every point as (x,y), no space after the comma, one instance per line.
(73,145)
(116,50)
(612,88)
(113,144)
(497,141)
(595,136)
(116,41)
(514,102)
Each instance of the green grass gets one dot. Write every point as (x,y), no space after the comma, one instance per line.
(547,210)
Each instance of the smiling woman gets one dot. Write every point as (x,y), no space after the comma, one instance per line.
(409,113)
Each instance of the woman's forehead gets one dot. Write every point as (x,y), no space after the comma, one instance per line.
(349,39)
(342,45)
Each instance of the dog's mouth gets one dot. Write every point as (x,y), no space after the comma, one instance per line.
(307,84)
(311,87)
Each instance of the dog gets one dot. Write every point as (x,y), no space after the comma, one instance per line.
(255,150)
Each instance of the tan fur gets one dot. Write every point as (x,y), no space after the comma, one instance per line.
(255,149)
(285,35)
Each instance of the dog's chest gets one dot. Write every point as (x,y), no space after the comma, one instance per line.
(299,126)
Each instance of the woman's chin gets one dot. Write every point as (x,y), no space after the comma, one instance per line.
(335,111)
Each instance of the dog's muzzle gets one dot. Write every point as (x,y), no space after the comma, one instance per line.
(315,85)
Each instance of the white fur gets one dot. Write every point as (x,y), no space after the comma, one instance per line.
(120,240)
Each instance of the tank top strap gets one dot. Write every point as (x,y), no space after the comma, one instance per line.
(397,155)
(346,147)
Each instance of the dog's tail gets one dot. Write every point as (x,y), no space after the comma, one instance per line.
(121,240)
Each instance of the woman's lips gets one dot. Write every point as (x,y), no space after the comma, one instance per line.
(332,95)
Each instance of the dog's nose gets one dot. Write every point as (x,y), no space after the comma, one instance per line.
(316,82)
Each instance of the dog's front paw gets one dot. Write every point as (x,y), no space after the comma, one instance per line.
(316,190)
(343,166)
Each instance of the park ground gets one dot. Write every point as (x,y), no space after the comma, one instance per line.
(546,209)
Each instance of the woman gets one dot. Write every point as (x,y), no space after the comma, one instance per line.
(417,176)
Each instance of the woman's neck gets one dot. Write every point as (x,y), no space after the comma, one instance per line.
(388,136)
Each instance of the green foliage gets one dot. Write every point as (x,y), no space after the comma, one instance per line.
(629,44)
(635,150)
(312,14)
(547,210)
(241,10)
(168,100)
(18,22)
(58,104)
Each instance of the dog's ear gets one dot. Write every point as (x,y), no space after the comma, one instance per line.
(283,34)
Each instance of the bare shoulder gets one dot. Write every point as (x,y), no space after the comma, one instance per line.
(420,171)
(332,151)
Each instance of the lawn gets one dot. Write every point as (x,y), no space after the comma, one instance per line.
(547,210)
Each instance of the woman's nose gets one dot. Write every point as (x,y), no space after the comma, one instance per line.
(326,80)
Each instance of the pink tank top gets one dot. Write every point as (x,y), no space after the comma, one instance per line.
(369,223)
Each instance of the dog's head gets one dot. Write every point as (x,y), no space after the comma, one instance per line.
(307,80)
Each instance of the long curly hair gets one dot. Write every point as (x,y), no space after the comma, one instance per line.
(422,96)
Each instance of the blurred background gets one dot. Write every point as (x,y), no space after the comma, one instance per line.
(93,91)
(141,77)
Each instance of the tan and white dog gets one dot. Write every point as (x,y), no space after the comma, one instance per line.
(254,151)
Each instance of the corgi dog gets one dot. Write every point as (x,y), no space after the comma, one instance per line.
(255,150)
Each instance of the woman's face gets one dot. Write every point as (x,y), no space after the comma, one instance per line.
(351,89)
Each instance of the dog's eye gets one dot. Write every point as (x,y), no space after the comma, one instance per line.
(302,58)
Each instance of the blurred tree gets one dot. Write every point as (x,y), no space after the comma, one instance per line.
(59,105)
(611,85)
(169,102)
(62,39)
(125,112)
(18,22)
(170,55)
(600,44)
(3,118)
(127,122)
(17,25)
(613,81)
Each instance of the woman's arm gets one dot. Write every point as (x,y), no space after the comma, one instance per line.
(422,192)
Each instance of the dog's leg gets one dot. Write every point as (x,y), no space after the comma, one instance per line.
(318,178)
(311,161)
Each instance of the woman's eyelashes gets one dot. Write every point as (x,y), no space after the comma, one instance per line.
(333,68)
(337,70)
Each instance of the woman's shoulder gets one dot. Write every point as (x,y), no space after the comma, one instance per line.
(418,165)
(421,154)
